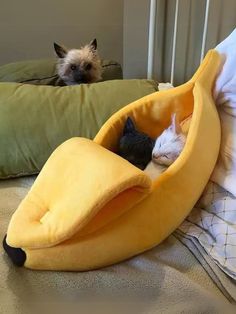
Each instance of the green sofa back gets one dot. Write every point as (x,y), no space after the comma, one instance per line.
(43,72)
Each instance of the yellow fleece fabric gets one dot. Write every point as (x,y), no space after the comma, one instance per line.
(90,208)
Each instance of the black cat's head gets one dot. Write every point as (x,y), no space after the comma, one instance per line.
(135,146)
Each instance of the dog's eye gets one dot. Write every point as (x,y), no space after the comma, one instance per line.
(88,66)
(73,67)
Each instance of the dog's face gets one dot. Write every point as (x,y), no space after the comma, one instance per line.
(77,66)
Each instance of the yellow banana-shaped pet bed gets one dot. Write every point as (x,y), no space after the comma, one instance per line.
(89,208)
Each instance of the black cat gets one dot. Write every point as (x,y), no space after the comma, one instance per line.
(135,146)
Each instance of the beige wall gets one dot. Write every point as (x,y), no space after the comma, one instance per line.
(29,27)
(136,14)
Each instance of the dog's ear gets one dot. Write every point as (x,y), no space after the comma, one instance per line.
(60,51)
(93,44)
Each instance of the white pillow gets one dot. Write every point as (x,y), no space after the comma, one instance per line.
(224,173)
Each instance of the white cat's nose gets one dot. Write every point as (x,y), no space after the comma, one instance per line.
(155,156)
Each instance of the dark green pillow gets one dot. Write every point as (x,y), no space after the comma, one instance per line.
(43,72)
(34,119)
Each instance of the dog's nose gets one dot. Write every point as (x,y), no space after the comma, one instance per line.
(80,77)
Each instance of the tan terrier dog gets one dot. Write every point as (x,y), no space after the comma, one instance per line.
(77,66)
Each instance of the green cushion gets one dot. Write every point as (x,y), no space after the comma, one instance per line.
(43,72)
(35,119)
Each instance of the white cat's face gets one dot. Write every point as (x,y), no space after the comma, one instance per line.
(169,144)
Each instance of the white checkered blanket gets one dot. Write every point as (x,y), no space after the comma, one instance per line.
(213,223)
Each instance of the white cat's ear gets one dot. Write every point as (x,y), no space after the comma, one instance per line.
(176,127)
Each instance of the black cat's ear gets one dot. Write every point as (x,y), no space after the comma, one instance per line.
(129,126)
(60,51)
(93,44)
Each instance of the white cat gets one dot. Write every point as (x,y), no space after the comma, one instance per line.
(167,148)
